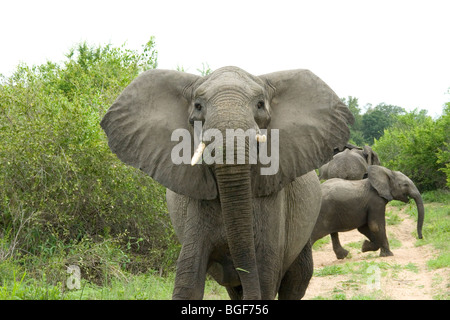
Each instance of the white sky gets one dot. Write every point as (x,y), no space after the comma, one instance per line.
(394,51)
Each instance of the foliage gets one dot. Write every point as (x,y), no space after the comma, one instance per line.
(60,181)
(417,145)
(375,120)
(205,70)
(372,123)
(443,154)
(356,135)
(411,142)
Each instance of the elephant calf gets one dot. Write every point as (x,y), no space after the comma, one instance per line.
(350,164)
(361,204)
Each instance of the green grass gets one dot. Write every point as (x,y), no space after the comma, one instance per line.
(392,218)
(441,196)
(394,243)
(332,270)
(138,287)
(321,242)
(412,267)
(436,231)
(441,261)
(359,268)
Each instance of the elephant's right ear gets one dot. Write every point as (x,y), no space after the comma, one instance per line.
(139,126)
(380,179)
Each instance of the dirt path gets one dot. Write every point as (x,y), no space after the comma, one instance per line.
(402,276)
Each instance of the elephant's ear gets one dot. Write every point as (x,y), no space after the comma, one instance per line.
(367,151)
(312,122)
(380,179)
(139,126)
(375,159)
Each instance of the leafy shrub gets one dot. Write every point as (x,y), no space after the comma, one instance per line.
(59,180)
(417,145)
(443,154)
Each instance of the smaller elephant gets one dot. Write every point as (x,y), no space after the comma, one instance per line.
(350,164)
(361,204)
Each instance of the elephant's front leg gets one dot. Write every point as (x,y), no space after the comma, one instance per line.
(197,237)
(191,270)
(377,232)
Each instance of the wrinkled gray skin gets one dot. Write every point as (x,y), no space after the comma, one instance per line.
(361,204)
(249,231)
(350,164)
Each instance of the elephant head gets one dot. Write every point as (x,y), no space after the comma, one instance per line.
(310,119)
(370,156)
(394,185)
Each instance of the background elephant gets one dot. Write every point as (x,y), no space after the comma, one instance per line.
(350,164)
(251,231)
(361,204)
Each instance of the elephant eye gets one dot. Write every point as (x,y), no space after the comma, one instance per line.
(198,106)
(260,104)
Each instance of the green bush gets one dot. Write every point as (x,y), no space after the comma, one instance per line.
(418,146)
(443,154)
(59,181)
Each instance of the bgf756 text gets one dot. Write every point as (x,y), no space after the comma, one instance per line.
(247,309)
(238,309)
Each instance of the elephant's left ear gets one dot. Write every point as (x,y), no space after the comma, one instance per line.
(312,122)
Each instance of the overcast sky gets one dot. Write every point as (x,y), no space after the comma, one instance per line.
(397,52)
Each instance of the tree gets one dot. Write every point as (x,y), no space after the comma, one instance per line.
(356,136)
(443,154)
(376,120)
(414,145)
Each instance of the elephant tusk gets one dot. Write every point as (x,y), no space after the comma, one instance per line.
(198,153)
(261,137)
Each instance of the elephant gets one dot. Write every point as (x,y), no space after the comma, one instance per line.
(361,204)
(350,164)
(246,225)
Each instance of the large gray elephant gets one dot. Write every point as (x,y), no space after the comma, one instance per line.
(249,228)
(361,204)
(350,164)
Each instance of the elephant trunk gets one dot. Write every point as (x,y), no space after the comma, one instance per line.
(233,178)
(237,209)
(420,212)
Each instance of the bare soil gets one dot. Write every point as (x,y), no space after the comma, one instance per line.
(404,276)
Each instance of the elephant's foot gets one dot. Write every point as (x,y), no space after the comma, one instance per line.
(386,253)
(369,246)
(341,253)
(187,293)
(235,293)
